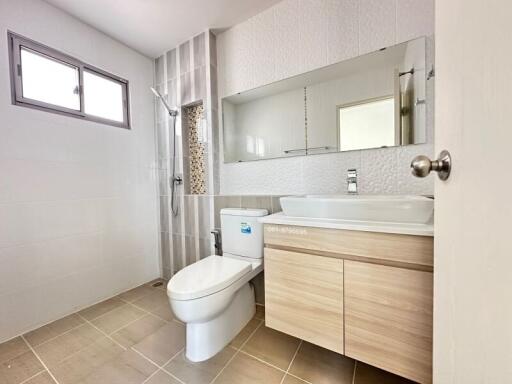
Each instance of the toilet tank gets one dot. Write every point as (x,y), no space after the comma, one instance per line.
(242,233)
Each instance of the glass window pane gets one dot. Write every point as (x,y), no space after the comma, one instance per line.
(103,97)
(367,125)
(48,80)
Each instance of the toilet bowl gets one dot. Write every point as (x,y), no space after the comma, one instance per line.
(213,296)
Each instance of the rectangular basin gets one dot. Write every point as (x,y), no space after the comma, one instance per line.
(380,208)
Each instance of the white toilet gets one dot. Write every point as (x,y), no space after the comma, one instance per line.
(213,296)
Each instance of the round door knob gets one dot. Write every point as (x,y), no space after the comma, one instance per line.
(422,166)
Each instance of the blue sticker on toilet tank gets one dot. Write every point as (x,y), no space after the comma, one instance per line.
(245,228)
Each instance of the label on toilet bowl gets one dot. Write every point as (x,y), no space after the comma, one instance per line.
(245,228)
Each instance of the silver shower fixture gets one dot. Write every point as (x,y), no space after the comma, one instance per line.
(172,112)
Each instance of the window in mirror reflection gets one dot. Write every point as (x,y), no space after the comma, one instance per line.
(367,124)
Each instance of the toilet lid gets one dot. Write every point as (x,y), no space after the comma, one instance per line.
(206,276)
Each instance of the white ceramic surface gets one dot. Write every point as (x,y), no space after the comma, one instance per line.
(212,296)
(372,208)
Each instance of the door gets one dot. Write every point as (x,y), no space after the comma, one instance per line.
(473,220)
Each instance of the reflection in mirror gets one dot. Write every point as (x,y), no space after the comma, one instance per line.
(371,101)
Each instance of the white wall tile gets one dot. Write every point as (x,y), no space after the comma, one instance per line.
(288,49)
(78,209)
(415,18)
(313,34)
(343,30)
(305,31)
(377,24)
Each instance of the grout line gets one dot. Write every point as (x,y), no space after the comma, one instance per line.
(354,375)
(54,337)
(149,313)
(31,377)
(291,362)
(104,333)
(237,352)
(160,368)
(40,360)
(130,323)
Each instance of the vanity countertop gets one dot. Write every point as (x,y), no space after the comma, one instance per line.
(367,226)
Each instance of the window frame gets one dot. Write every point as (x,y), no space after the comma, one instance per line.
(16,42)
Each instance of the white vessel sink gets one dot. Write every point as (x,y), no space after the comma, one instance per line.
(398,209)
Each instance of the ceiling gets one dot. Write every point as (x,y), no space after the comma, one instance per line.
(155,26)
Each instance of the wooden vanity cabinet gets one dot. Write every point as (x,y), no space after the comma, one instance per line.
(304,297)
(366,295)
(388,318)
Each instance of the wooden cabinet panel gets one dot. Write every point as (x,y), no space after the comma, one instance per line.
(372,245)
(388,318)
(304,297)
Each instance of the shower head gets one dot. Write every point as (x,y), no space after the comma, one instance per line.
(172,112)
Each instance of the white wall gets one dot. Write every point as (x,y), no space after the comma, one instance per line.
(296,36)
(78,210)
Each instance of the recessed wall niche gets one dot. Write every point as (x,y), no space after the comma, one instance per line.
(195,144)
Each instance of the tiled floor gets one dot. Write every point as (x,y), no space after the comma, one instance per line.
(134,339)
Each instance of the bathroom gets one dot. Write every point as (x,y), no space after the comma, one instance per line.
(255,192)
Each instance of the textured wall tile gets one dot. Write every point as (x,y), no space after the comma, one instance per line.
(276,204)
(225,202)
(172,90)
(279,176)
(171,64)
(164,214)
(313,33)
(199,50)
(259,288)
(159,70)
(186,88)
(190,249)
(379,171)
(328,173)
(189,213)
(165,250)
(177,252)
(377,24)
(343,30)
(263,38)
(288,51)
(184,54)
(260,202)
(205,248)
(415,18)
(203,210)
(200,83)
(213,48)
(406,182)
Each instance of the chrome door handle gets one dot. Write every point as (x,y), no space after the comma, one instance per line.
(422,166)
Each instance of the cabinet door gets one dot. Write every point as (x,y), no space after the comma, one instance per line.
(388,318)
(304,297)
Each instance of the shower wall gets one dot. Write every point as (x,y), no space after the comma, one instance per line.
(186,76)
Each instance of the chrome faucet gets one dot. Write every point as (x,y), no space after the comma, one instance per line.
(352,181)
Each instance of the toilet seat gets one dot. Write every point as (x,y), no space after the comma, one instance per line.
(207,276)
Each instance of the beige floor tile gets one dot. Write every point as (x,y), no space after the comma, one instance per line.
(162,345)
(128,368)
(244,334)
(54,329)
(164,312)
(19,368)
(42,378)
(118,318)
(155,299)
(293,380)
(61,347)
(272,346)
(138,330)
(12,348)
(247,370)
(101,308)
(162,378)
(83,363)
(321,366)
(199,373)
(366,374)
(135,293)
(260,312)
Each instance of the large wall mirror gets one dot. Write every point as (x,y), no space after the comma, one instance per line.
(371,101)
